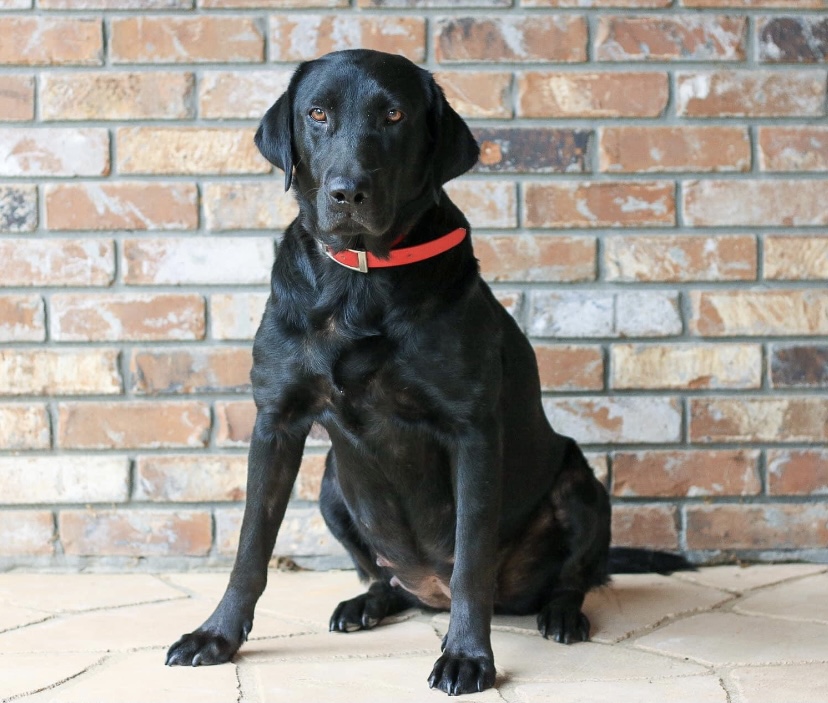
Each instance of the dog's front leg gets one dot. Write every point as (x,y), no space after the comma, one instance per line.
(467,663)
(272,467)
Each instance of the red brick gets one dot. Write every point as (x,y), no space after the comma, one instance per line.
(664,474)
(135,533)
(777,526)
(24,426)
(65,479)
(248,205)
(126,316)
(116,96)
(18,208)
(305,37)
(570,367)
(16,98)
(51,41)
(57,262)
(133,425)
(216,370)
(511,300)
(757,4)
(188,478)
(780,203)
(27,533)
(240,94)
(59,372)
(759,419)
(650,526)
(799,258)
(596,3)
(680,258)
(22,318)
(524,257)
(309,480)
(750,93)
(121,205)
(520,39)
(793,39)
(798,472)
(199,39)
(799,366)
(671,38)
(793,148)
(236,315)
(115,4)
(494,203)
(533,150)
(274,4)
(543,94)
(452,4)
(676,149)
(599,204)
(477,94)
(53,151)
(234,422)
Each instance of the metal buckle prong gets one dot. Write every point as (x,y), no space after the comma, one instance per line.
(362,259)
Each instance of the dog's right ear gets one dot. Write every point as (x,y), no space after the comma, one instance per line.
(275,135)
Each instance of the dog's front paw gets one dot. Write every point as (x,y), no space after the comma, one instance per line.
(562,620)
(203,648)
(455,675)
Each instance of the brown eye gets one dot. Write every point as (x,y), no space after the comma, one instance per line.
(317,114)
(393,116)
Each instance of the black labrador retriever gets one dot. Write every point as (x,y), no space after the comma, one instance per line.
(445,481)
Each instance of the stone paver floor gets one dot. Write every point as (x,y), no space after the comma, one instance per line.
(721,635)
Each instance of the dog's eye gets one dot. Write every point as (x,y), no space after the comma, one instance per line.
(393,116)
(317,114)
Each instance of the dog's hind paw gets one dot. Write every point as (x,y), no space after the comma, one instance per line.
(562,620)
(361,613)
(203,648)
(456,675)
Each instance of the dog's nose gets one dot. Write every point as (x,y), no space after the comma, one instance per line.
(347,191)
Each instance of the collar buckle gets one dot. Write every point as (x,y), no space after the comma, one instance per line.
(362,260)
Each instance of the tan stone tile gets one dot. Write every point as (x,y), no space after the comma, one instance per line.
(720,638)
(800,600)
(802,683)
(739,579)
(12,616)
(679,690)
(25,673)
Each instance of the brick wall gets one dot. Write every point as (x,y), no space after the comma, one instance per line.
(651,204)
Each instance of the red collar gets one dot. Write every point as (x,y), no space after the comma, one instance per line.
(363,261)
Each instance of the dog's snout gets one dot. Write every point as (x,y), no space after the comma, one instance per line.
(347,191)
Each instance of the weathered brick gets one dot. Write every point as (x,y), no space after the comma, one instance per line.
(677,149)
(493,204)
(799,366)
(187,478)
(248,205)
(764,313)
(543,94)
(16,4)
(22,318)
(671,38)
(793,39)
(512,302)
(477,94)
(453,4)
(309,480)
(51,41)
(798,472)
(18,208)
(525,257)
(304,37)
(533,150)
(115,4)
(65,479)
(650,526)
(780,203)
(116,96)
(757,4)
(604,314)
(686,366)
(599,204)
(793,148)
(126,316)
(758,419)
(121,205)
(236,315)
(796,258)
(234,422)
(133,425)
(660,474)
(195,260)
(524,39)
(750,93)
(763,527)
(570,367)
(53,151)
(188,150)
(16,98)
(57,262)
(59,372)
(616,420)
(274,4)
(216,370)
(596,3)
(27,533)
(135,533)
(199,39)
(680,258)
(240,94)
(24,426)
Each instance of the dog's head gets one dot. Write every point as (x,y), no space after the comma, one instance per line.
(368,140)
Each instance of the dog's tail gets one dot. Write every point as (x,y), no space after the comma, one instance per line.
(627,560)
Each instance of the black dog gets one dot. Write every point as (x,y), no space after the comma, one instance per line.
(445,481)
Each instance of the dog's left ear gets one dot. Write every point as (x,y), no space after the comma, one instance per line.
(275,135)
(454,149)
